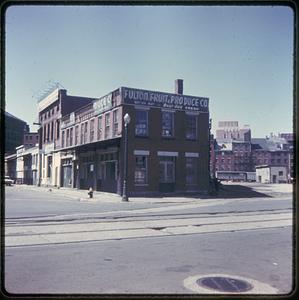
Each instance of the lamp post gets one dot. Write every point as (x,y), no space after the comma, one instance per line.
(127,120)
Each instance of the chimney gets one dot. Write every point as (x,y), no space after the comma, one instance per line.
(178,86)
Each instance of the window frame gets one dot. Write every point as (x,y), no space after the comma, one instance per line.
(115,117)
(100,127)
(143,169)
(188,115)
(91,130)
(171,113)
(107,126)
(146,134)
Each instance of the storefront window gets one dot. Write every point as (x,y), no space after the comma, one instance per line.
(140,169)
(191,127)
(191,170)
(141,124)
(49,169)
(167,124)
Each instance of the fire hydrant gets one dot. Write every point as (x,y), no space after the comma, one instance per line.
(90,192)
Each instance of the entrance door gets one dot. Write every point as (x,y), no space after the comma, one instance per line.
(274,178)
(67,176)
(167,174)
(109,180)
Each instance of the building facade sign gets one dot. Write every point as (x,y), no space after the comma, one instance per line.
(103,104)
(48,100)
(164,100)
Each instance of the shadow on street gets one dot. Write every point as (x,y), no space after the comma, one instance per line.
(239,191)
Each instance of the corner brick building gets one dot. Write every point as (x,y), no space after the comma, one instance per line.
(168,143)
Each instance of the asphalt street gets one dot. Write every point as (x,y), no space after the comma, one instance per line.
(61,245)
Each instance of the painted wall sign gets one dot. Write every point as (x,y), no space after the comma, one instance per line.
(45,102)
(164,100)
(103,104)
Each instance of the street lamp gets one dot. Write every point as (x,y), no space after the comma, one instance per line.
(127,120)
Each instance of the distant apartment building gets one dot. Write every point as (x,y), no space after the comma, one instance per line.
(15,129)
(230,131)
(238,155)
(274,151)
(233,151)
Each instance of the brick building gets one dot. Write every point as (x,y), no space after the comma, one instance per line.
(168,143)
(273,151)
(50,111)
(30,139)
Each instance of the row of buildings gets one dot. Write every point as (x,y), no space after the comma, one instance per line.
(235,155)
(82,142)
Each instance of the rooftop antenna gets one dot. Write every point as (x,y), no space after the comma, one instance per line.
(48,88)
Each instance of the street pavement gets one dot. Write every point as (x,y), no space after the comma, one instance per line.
(149,245)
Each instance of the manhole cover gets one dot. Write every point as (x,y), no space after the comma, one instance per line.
(225,284)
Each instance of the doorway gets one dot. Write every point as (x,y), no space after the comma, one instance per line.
(167,174)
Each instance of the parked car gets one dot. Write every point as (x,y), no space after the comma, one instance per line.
(8,181)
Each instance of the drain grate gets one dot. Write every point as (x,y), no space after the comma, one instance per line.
(225,284)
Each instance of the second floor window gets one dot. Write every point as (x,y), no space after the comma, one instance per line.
(107,125)
(100,119)
(191,133)
(85,133)
(62,139)
(141,123)
(82,133)
(92,130)
(67,137)
(77,135)
(115,122)
(167,124)
(57,129)
(71,137)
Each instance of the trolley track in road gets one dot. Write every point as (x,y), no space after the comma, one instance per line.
(153,226)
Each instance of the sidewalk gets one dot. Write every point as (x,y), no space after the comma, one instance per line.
(227,191)
(82,195)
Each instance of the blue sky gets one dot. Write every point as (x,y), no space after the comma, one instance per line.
(240,57)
